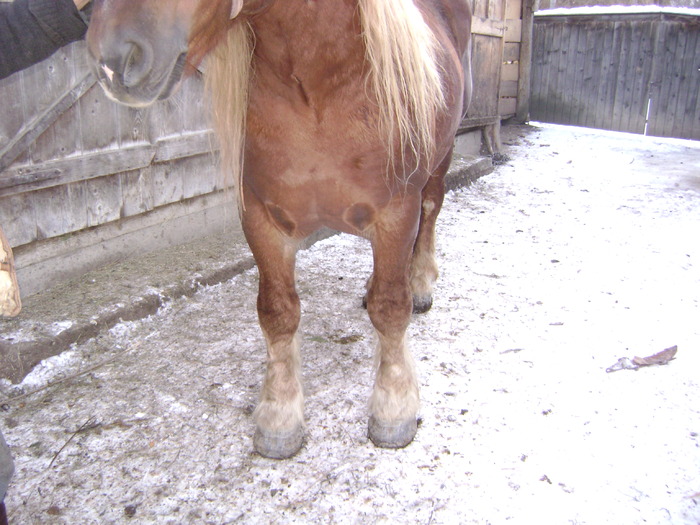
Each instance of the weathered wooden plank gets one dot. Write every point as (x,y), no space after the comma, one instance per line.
(59,210)
(137,192)
(513,9)
(132,125)
(488,27)
(674,111)
(66,171)
(506,106)
(511,52)
(185,145)
(509,88)
(538,72)
(525,75)
(98,120)
(100,163)
(657,75)
(669,85)
(556,94)
(687,68)
(605,78)
(17,216)
(626,78)
(609,77)
(571,91)
(470,123)
(643,33)
(513,30)
(509,72)
(486,75)
(25,138)
(197,112)
(590,77)
(168,184)
(479,10)
(103,197)
(12,112)
(691,125)
(546,72)
(199,176)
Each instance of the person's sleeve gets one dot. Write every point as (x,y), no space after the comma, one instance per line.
(32,30)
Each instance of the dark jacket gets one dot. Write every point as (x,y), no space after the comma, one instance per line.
(32,30)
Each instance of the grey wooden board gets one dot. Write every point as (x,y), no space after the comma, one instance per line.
(601,71)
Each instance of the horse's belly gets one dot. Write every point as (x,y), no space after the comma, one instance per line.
(309,191)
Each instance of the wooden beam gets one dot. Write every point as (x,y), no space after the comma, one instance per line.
(522,111)
(106,162)
(41,123)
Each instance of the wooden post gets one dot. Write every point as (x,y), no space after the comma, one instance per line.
(522,112)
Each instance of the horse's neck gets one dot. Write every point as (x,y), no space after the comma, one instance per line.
(314,43)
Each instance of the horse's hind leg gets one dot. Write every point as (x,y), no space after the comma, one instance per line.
(424,269)
(279,414)
(394,401)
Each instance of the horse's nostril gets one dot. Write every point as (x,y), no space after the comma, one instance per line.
(135,66)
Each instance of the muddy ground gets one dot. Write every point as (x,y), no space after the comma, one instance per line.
(581,250)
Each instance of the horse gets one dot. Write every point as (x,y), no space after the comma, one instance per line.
(336,113)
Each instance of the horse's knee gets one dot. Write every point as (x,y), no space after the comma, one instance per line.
(279,312)
(389,306)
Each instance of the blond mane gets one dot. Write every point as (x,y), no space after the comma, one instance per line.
(404,76)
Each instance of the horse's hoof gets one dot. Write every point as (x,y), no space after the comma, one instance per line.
(422,304)
(392,435)
(278,445)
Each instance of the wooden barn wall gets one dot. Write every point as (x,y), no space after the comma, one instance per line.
(72,159)
(78,170)
(634,73)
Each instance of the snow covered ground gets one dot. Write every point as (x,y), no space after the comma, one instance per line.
(581,250)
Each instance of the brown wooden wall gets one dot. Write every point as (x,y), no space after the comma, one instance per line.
(496,37)
(635,72)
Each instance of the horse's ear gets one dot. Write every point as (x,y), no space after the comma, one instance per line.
(236,7)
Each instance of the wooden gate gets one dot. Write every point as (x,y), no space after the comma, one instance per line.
(84,181)
(496,46)
(627,72)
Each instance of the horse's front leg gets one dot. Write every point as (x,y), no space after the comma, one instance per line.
(395,399)
(279,415)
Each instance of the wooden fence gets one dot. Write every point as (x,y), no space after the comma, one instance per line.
(638,73)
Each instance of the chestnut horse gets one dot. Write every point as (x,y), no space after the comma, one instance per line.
(338,113)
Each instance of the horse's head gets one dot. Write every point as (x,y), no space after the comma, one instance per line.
(139,49)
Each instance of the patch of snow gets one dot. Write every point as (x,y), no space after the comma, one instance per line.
(51,369)
(60,326)
(579,251)
(617,10)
